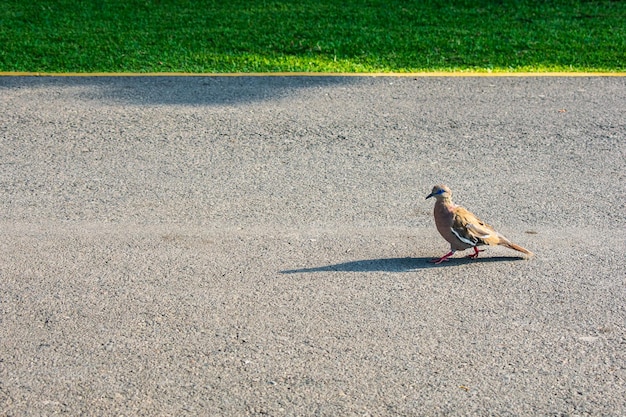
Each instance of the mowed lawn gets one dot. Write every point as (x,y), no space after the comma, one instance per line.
(210,36)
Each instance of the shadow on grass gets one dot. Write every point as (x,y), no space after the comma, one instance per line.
(396,265)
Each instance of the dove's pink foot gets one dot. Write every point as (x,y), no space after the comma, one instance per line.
(443,258)
(475,254)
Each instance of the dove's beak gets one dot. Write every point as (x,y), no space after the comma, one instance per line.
(429,195)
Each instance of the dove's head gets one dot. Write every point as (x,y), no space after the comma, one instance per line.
(440,192)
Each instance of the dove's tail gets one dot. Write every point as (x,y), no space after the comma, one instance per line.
(517,248)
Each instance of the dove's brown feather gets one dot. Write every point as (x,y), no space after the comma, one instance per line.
(471,230)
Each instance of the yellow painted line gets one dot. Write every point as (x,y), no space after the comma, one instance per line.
(315,74)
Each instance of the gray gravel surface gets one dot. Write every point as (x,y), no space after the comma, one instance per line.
(259,246)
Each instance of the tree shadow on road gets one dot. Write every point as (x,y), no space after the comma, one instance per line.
(200,90)
(396,264)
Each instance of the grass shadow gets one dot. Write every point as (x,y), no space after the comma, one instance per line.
(406,264)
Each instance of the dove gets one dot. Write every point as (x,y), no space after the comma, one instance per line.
(462,229)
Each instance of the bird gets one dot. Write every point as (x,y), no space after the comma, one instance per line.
(462,229)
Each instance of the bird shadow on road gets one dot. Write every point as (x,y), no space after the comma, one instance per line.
(396,264)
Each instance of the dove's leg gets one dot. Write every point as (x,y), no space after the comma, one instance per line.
(443,258)
(475,254)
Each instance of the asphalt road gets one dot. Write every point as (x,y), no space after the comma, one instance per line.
(259,246)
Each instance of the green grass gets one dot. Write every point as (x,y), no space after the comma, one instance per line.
(320,36)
